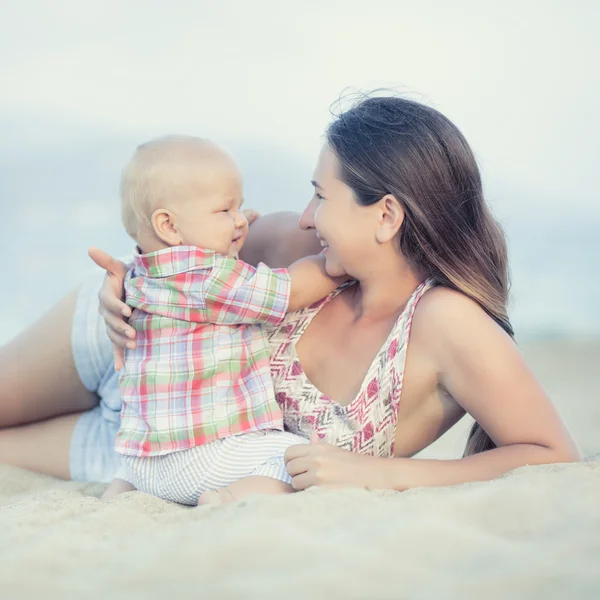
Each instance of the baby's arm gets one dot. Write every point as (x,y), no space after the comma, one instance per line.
(310,282)
(236,293)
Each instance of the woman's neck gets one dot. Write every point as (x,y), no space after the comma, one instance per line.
(384,293)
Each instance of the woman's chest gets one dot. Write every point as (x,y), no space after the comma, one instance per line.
(336,351)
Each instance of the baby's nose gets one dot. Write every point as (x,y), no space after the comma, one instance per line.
(240,220)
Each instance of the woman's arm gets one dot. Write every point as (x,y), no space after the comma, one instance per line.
(481,367)
(483,370)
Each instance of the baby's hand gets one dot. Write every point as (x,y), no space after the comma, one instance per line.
(111,305)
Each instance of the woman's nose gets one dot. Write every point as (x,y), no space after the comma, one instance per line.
(307,218)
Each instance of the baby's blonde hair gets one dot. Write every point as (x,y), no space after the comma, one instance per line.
(154,177)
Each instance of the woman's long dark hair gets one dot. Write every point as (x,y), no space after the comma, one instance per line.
(392,145)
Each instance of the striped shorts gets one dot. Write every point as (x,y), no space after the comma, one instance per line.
(182,476)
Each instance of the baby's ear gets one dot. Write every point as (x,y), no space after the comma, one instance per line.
(165,228)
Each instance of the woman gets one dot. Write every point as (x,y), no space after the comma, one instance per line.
(398,205)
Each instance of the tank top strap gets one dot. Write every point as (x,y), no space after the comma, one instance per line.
(284,336)
(306,315)
(403,324)
(392,365)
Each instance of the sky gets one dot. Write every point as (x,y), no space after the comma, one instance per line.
(519,77)
(83,80)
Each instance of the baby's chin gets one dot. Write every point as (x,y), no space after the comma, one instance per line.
(234,251)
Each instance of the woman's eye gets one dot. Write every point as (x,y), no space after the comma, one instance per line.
(318,196)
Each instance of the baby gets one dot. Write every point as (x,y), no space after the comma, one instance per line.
(200,423)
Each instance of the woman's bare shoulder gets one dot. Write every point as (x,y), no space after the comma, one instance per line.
(447,316)
(441,302)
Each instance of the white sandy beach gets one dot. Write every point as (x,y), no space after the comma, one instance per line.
(534,533)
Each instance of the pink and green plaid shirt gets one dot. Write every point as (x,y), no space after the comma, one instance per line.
(200,370)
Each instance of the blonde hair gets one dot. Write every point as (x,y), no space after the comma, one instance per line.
(153,178)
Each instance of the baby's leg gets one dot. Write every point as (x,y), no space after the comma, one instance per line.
(254,485)
(263,453)
(116,487)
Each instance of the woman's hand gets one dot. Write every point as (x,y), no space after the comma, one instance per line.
(111,305)
(320,464)
(251,215)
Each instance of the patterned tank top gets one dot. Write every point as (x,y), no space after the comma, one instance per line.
(366,425)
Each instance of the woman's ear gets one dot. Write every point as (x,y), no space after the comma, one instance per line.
(390,218)
(165,228)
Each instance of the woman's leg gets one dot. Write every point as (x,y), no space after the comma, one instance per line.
(38,378)
(41,394)
(50,421)
(42,447)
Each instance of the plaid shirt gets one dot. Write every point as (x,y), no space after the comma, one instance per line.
(200,370)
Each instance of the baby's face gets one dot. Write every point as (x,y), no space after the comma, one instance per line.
(209,211)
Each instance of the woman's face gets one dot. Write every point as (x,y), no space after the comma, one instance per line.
(344,227)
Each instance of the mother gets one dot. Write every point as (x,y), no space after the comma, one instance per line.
(398,205)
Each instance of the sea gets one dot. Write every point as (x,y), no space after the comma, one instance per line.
(57,203)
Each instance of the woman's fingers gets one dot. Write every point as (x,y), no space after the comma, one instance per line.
(107,262)
(118,336)
(109,303)
(111,306)
(114,319)
(302,482)
(118,344)
(251,215)
(297,465)
(295,451)
(119,340)
(118,357)
(111,293)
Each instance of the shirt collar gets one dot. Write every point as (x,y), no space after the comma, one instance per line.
(171,261)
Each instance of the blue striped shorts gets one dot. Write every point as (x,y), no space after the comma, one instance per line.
(182,476)
(92,455)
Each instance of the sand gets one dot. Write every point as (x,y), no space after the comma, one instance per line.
(534,533)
